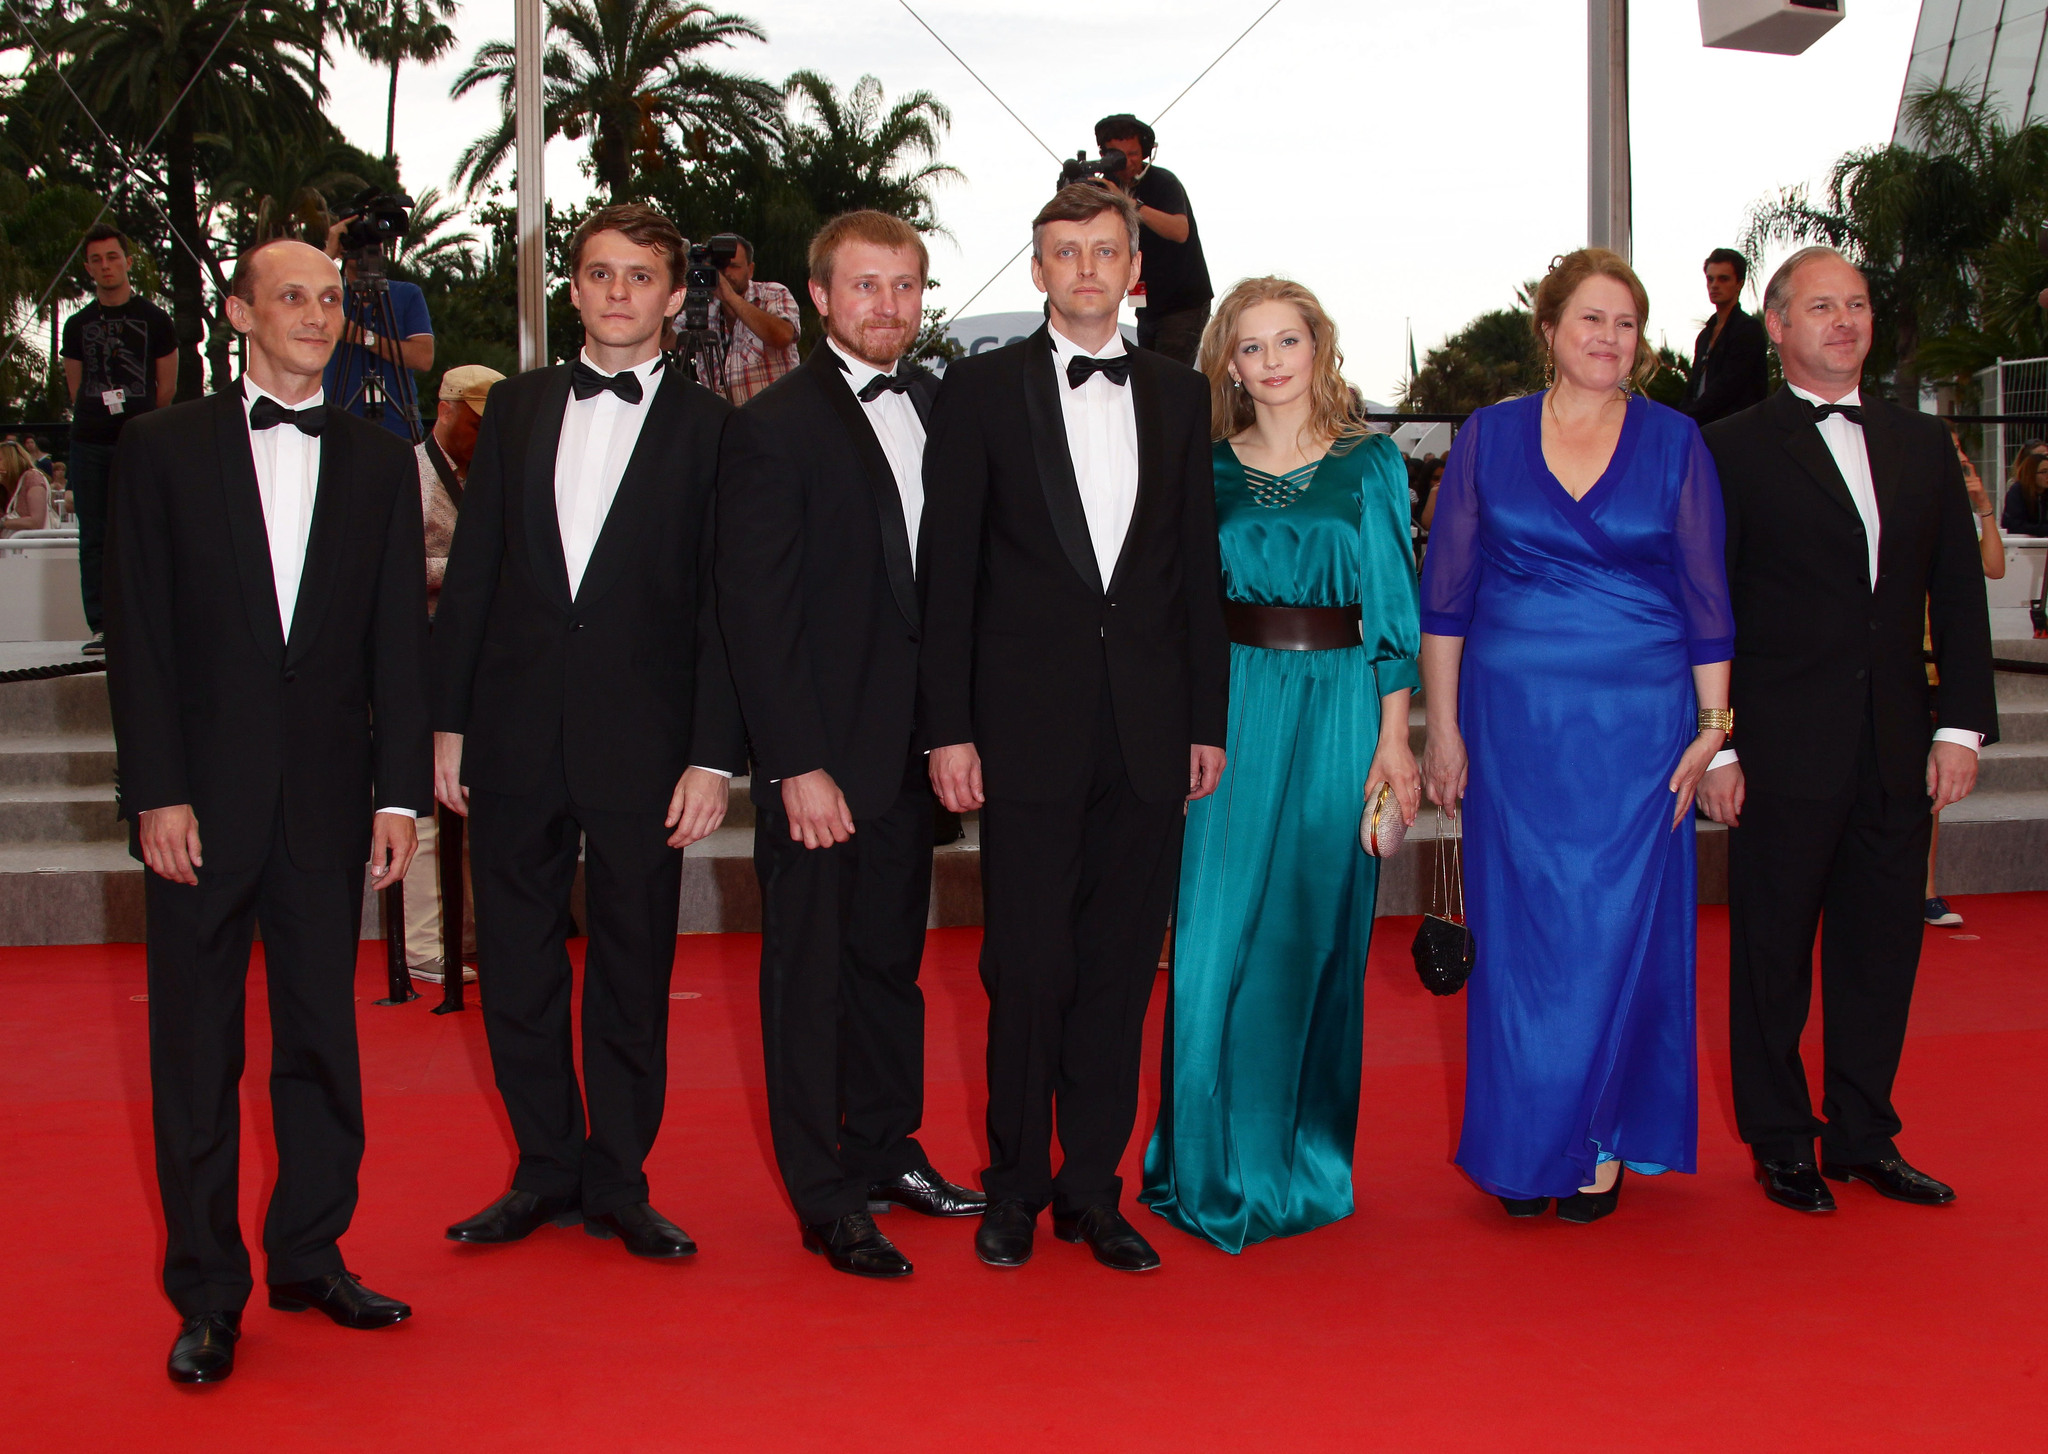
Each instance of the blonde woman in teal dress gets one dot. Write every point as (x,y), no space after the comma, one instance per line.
(1258,1104)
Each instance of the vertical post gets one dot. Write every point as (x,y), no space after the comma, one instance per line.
(529,133)
(397,977)
(1995,486)
(1609,209)
(448,836)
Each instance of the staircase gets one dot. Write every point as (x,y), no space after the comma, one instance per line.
(66,877)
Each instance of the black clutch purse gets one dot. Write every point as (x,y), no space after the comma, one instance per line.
(1443,946)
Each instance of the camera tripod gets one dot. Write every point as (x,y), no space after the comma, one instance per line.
(701,351)
(370,311)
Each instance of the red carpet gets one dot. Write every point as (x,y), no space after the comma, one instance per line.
(1699,1317)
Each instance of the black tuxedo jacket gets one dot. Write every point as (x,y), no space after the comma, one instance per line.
(212,705)
(1814,643)
(626,683)
(1731,375)
(816,587)
(1018,624)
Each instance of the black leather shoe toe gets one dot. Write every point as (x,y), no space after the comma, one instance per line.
(1892,1178)
(1525,1206)
(342,1296)
(1795,1184)
(1114,1241)
(853,1244)
(514,1216)
(924,1190)
(205,1349)
(644,1231)
(1004,1237)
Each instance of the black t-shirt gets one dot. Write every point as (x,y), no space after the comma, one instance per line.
(117,348)
(1176,275)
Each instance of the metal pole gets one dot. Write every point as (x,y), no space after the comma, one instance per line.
(397,978)
(448,840)
(1609,211)
(529,35)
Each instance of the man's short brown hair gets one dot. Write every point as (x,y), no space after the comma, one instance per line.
(638,223)
(1079,201)
(878,228)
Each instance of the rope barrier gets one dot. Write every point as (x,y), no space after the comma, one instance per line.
(55,669)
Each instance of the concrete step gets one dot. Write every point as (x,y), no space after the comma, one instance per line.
(2012,767)
(59,704)
(33,813)
(57,757)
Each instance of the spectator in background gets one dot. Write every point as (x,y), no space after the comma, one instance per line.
(1174,284)
(37,453)
(443,458)
(759,323)
(361,350)
(2026,498)
(26,490)
(60,492)
(1729,368)
(120,360)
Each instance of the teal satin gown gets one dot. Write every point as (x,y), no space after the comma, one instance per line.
(1258,1104)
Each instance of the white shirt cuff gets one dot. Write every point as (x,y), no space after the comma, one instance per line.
(1961,736)
(1723,758)
(402,812)
(719,770)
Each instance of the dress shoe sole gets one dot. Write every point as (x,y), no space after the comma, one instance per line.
(220,1376)
(1079,1240)
(567,1219)
(667,1254)
(300,1305)
(987,1261)
(873,1274)
(882,1209)
(1790,1205)
(1845,1177)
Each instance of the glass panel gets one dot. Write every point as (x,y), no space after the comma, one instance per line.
(1978,15)
(1937,23)
(2012,68)
(1969,60)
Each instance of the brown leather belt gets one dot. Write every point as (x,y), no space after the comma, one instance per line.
(1291,628)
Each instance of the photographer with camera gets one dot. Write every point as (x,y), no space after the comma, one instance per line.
(758,321)
(1176,291)
(364,376)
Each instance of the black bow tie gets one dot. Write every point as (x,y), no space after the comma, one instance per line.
(1851,412)
(1117,370)
(882,384)
(267,413)
(588,382)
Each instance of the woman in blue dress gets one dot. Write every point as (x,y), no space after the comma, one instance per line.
(1258,1102)
(1577,633)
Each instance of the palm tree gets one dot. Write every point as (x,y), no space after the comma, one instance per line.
(390,31)
(626,73)
(1919,219)
(282,183)
(429,245)
(848,152)
(131,60)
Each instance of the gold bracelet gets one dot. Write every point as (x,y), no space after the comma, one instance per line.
(1717,719)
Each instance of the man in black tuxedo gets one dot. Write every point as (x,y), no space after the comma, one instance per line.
(1074,664)
(1848,534)
(820,500)
(1731,356)
(267,666)
(578,675)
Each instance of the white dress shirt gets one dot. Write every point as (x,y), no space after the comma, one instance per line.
(900,433)
(598,435)
(1845,442)
(1102,439)
(287,463)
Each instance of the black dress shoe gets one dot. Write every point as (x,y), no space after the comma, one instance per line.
(1892,1178)
(852,1244)
(924,1190)
(1004,1237)
(1525,1206)
(1590,1206)
(1795,1184)
(646,1232)
(1114,1241)
(342,1296)
(205,1350)
(514,1216)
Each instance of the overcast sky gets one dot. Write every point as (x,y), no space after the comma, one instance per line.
(1408,161)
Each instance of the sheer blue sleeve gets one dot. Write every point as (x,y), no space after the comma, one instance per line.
(1450,566)
(1699,557)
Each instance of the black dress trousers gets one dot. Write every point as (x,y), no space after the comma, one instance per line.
(1855,867)
(522,867)
(1076,897)
(842,1018)
(198,955)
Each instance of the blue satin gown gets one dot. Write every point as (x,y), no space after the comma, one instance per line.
(1582,621)
(1258,1103)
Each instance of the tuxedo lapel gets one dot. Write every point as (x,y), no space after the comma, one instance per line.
(543,524)
(1150,409)
(334,499)
(242,504)
(826,374)
(1803,442)
(649,472)
(1881,446)
(1055,464)
(924,390)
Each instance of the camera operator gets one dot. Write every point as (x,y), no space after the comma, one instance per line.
(362,350)
(758,322)
(1176,284)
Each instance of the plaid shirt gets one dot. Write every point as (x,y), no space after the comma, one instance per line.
(750,364)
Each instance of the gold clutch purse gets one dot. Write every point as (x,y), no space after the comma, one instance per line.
(1381,831)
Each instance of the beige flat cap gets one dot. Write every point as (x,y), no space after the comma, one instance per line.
(469,383)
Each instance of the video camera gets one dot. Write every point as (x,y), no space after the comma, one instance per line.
(701,268)
(1108,167)
(374,219)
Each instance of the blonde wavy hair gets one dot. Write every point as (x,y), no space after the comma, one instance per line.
(1230,408)
(1566,273)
